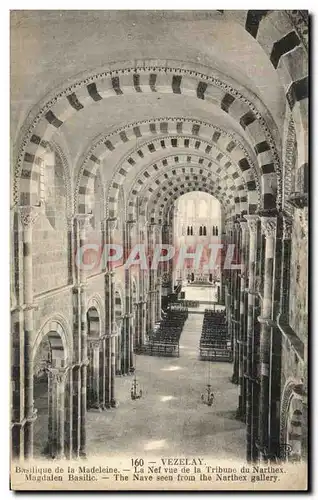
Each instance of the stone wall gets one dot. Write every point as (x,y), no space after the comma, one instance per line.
(292,365)
(50,247)
(52,306)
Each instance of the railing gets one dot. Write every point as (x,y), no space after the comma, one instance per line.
(213,354)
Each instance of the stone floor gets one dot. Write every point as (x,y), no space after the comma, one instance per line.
(170,418)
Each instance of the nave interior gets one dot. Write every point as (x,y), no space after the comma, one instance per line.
(109,133)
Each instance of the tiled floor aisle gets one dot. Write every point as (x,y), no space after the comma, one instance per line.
(170,417)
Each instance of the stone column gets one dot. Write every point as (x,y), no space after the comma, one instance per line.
(158,273)
(250,438)
(110,399)
(166,271)
(136,323)
(222,272)
(112,341)
(143,319)
(128,316)
(242,319)
(228,273)
(269,225)
(280,313)
(285,271)
(152,274)
(139,331)
(113,338)
(28,216)
(158,300)
(82,226)
(236,307)
(127,352)
(70,249)
(56,410)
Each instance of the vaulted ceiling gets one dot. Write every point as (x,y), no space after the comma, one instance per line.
(121,91)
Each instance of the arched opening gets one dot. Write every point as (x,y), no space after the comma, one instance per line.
(202,220)
(94,352)
(136,315)
(49,383)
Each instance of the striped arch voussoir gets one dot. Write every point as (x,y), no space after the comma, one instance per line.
(218,163)
(158,182)
(146,79)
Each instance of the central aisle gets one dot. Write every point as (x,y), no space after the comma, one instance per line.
(170,418)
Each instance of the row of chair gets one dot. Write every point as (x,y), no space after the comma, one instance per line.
(164,340)
(215,345)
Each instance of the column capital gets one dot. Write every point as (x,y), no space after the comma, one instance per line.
(269,225)
(287,227)
(57,374)
(94,342)
(252,221)
(126,316)
(115,328)
(28,215)
(266,321)
(155,226)
(69,222)
(130,226)
(111,223)
(83,220)
(80,287)
(243,225)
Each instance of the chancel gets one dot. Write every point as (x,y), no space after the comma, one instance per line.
(187,130)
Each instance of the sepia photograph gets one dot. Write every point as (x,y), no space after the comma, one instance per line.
(159,193)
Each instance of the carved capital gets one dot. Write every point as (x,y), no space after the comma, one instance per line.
(94,343)
(28,215)
(83,221)
(30,307)
(269,225)
(244,226)
(266,321)
(131,226)
(69,223)
(252,223)
(287,228)
(126,316)
(158,229)
(57,375)
(116,326)
(111,223)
